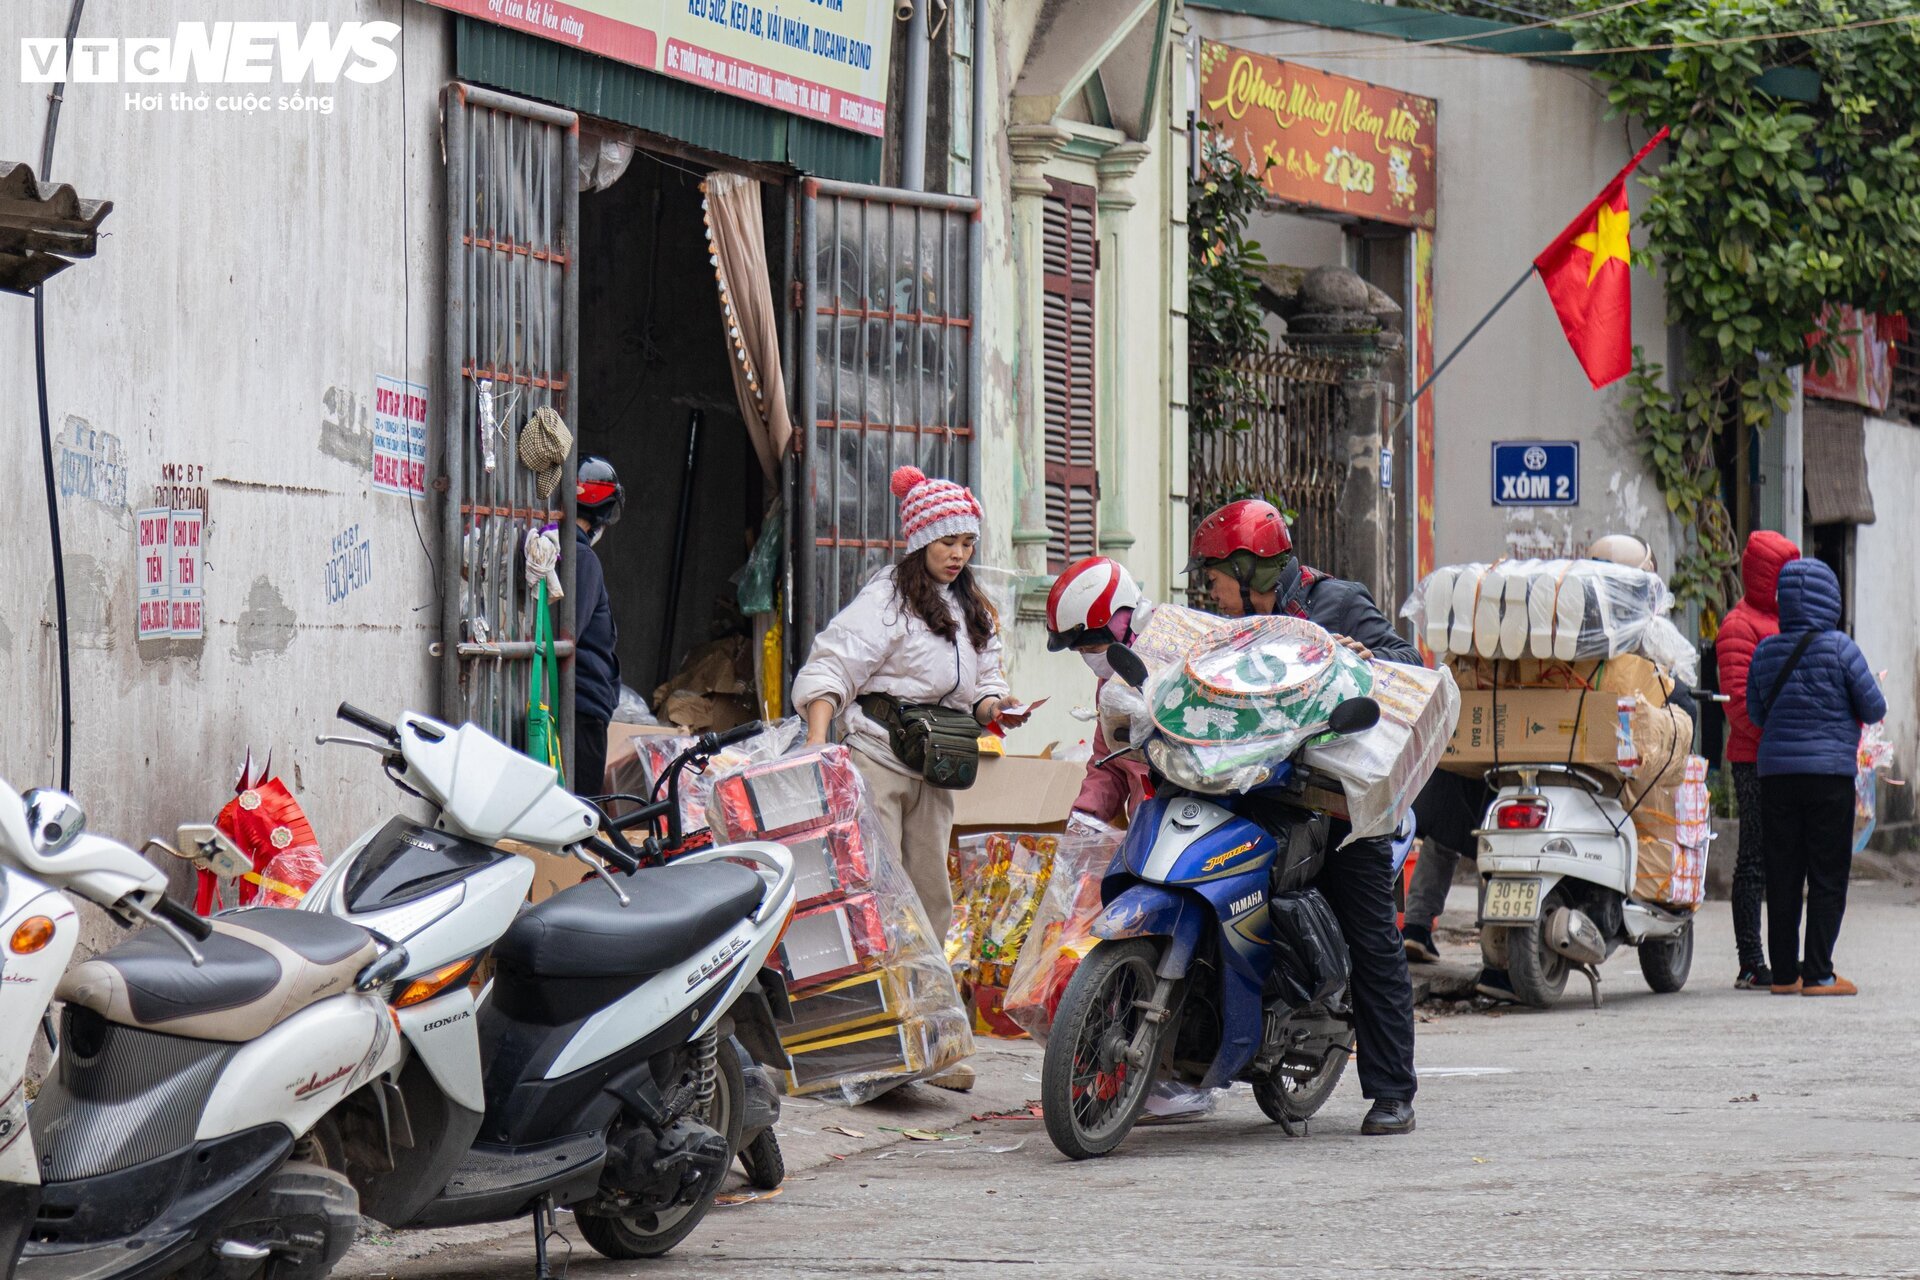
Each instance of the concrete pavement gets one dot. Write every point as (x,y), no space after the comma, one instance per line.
(1708,1133)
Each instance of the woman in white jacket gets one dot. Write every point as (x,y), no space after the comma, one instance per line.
(923,632)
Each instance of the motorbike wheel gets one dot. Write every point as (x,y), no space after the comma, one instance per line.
(765,1165)
(1539,973)
(1289,1101)
(1665,964)
(651,1235)
(1089,1094)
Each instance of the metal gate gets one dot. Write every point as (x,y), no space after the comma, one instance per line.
(511,347)
(886,375)
(1292,407)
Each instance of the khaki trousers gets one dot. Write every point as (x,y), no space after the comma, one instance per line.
(918,818)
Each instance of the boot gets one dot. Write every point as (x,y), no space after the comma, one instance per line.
(1421,948)
(1387,1117)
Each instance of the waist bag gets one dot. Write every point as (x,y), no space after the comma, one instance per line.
(940,744)
(1310,954)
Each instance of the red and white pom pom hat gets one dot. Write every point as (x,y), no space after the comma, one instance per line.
(933,509)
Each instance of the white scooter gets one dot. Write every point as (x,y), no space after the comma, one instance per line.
(596,1068)
(192,1062)
(1557,854)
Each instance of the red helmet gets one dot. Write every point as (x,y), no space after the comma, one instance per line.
(1081,606)
(1247,525)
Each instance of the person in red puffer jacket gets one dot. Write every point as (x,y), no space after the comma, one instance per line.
(1756,617)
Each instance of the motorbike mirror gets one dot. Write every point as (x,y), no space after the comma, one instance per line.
(1127,665)
(1355,715)
(206,845)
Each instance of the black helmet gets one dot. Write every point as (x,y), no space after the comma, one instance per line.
(598,495)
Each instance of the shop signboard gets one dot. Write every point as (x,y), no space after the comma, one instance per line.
(825,60)
(1322,141)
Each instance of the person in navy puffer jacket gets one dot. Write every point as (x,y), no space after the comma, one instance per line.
(1809,712)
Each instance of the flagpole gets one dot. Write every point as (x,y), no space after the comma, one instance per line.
(1471,335)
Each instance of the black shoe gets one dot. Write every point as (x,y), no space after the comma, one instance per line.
(1496,985)
(1388,1116)
(1753,978)
(1421,948)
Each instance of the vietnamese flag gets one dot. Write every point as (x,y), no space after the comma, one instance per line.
(1588,275)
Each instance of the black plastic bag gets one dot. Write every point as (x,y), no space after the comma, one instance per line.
(1310,954)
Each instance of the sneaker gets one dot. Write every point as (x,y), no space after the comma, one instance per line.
(1754,978)
(1496,985)
(1387,1117)
(959,1078)
(1421,948)
(1786,988)
(1834,986)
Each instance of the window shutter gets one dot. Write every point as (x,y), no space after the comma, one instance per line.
(1068,252)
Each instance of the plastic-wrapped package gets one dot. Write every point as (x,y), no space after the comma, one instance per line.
(1563,609)
(1874,757)
(653,753)
(632,708)
(1383,769)
(284,881)
(1674,827)
(1061,932)
(875,1003)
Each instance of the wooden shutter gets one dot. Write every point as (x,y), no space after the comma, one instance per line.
(1068,250)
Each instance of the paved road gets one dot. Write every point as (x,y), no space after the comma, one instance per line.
(1709,1133)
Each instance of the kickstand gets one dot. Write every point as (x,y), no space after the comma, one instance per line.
(1593,979)
(545,1227)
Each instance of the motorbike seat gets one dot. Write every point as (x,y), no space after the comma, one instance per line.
(584,932)
(263,965)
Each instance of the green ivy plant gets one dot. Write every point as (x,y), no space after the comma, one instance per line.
(1764,210)
(1224,315)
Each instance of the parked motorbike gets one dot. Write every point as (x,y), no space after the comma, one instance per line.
(1217,960)
(595,1069)
(194,1060)
(1557,857)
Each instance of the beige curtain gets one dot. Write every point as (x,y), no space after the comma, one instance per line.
(737,239)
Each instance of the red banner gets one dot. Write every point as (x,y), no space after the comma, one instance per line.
(1324,141)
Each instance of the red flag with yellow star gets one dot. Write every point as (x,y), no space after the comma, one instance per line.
(1588,275)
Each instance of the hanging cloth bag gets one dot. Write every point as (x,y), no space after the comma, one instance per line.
(543,730)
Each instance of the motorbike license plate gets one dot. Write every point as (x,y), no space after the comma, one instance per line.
(1512,900)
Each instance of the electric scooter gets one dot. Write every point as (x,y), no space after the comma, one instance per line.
(1557,854)
(192,1063)
(594,1070)
(1217,960)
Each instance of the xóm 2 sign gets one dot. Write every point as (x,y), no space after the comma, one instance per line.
(1536,473)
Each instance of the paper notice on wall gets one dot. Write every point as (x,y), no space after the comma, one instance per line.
(186,595)
(154,597)
(399,437)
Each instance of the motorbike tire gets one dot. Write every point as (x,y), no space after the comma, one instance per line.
(652,1235)
(766,1166)
(1096,1017)
(1665,964)
(1537,971)
(1290,1102)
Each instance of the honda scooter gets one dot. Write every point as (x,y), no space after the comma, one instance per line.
(1217,961)
(1557,854)
(192,1063)
(594,1070)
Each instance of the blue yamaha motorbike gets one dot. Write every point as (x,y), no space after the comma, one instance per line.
(1217,961)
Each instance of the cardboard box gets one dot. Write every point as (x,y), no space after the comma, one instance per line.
(1564,726)
(1019,793)
(1628,673)
(551,872)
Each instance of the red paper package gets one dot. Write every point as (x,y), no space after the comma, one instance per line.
(830,863)
(799,793)
(833,941)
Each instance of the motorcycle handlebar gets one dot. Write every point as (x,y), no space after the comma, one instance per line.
(607,853)
(371,723)
(199,928)
(739,733)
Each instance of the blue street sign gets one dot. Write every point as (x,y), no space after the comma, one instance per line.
(1536,473)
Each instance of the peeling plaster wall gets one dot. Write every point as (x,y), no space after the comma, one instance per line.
(1886,582)
(255,275)
(1522,147)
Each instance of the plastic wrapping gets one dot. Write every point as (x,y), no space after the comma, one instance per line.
(1061,931)
(1310,956)
(1383,769)
(653,753)
(874,1001)
(1563,609)
(285,879)
(1674,826)
(758,581)
(1875,757)
(632,708)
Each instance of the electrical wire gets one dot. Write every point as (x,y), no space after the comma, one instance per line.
(1440,41)
(54,101)
(406,293)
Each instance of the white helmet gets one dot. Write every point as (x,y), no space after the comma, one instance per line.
(1625,550)
(1081,606)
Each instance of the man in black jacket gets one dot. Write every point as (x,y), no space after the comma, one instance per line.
(1247,554)
(598,499)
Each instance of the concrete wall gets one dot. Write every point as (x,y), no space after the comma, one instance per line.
(1886,580)
(1522,147)
(258,271)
